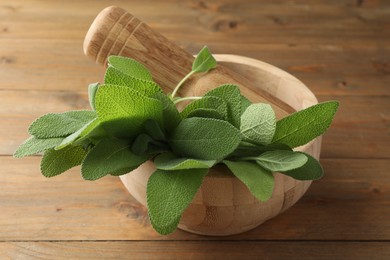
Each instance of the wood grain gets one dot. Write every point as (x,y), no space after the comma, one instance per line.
(325,69)
(193,250)
(68,208)
(339,48)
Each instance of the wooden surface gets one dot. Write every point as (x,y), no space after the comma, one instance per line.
(340,49)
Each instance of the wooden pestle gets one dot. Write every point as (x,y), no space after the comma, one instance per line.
(117,32)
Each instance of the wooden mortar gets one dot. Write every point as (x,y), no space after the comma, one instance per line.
(223,205)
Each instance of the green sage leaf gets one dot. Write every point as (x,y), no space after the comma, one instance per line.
(258,124)
(245,103)
(56,162)
(109,156)
(204,138)
(154,130)
(311,170)
(141,144)
(123,111)
(248,150)
(204,61)
(207,113)
(305,125)
(259,181)
(171,115)
(73,137)
(281,160)
(35,145)
(60,125)
(230,94)
(130,67)
(92,88)
(215,103)
(169,193)
(168,161)
(116,77)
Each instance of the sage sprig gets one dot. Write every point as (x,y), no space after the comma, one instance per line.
(132,120)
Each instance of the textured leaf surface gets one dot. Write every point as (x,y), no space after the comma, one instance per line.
(130,67)
(72,138)
(206,112)
(56,162)
(34,145)
(204,138)
(141,144)
(60,125)
(258,124)
(311,170)
(92,88)
(281,160)
(171,115)
(168,194)
(245,103)
(259,181)
(116,77)
(230,94)
(168,161)
(123,111)
(245,150)
(154,130)
(204,61)
(215,103)
(109,155)
(303,126)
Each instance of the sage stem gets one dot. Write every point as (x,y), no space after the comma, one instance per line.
(181,83)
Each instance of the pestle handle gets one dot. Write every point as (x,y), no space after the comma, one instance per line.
(117,32)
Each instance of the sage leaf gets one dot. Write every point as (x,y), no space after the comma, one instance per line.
(154,130)
(230,94)
(259,181)
(258,124)
(56,162)
(171,115)
(60,125)
(204,138)
(35,145)
(130,67)
(121,171)
(280,160)
(204,61)
(92,88)
(141,144)
(303,126)
(168,161)
(92,131)
(169,193)
(206,112)
(248,150)
(215,103)
(245,103)
(109,155)
(116,77)
(123,111)
(311,170)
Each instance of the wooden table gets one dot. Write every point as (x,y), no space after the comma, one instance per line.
(340,49)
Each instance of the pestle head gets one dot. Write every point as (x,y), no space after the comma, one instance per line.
(108,34)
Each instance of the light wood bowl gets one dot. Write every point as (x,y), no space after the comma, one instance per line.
(223,205)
